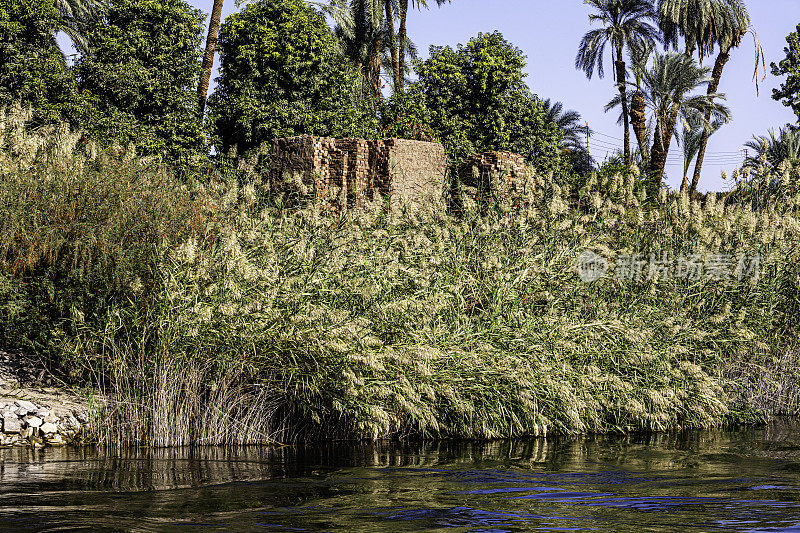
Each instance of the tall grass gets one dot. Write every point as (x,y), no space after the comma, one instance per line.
(209,316)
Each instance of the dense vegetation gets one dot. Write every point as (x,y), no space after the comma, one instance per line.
(141,257)
(280,76)
(209,316)
(139,83)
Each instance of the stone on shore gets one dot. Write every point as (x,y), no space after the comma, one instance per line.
(25,405)
(11,423)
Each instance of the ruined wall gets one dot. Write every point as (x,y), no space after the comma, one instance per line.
(305,168)
(349,172)
(416,170)
(493,178)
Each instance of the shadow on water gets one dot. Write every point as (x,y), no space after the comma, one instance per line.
(694,481)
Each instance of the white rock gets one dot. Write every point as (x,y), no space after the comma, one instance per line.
(11,423)
(28,406)
(43,413)
(34,421)
(48,427)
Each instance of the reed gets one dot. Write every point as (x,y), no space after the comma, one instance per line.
(208,315)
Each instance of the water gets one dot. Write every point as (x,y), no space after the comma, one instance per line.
(695,481)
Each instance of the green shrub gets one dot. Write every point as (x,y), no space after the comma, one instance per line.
(280,75)
(473,99)
(32,69)
(139,84)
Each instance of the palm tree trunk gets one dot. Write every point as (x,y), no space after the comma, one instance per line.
(661,144)
(716,75)
(392,43)
(377,63)
(639,123)
(621,77)
(401,36)
(208,56)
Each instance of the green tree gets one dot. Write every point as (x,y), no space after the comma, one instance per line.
(775,149)
(789,91)
(474,98)
(626,23)
(362,33)
(281,75)
(667,86)
(140,80)
(32,68)
(573,133)
(75,18)
(704,26)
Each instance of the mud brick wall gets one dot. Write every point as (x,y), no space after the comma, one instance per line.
(335,171)
(305,167)
(411,172)
(493,177)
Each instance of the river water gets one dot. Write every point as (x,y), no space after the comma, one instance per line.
(695,481)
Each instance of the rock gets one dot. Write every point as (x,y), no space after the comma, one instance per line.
(29,407)
(34,421)
(48,427)
(11,423)
(56,440)
(43,413)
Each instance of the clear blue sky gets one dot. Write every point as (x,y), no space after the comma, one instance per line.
(548,32)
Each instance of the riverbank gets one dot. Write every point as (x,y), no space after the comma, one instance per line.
(35,409)
(211,314)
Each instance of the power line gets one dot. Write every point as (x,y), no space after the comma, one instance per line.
(710,156)
(594,132)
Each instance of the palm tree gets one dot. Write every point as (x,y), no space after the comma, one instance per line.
(640,55)
(208,56)
(705,25)
(690,140)
(402,36)
(76,15)
(775,149)
(362,32)
(390,8)
(625,24)
(573,133)
(666,87)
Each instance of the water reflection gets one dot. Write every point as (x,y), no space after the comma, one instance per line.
(694,481)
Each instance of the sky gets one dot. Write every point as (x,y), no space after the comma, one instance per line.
(548,33)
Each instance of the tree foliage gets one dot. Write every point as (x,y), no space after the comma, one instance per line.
(140,81)
(280,75)
(789,91)
(474,98)
(32,68)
